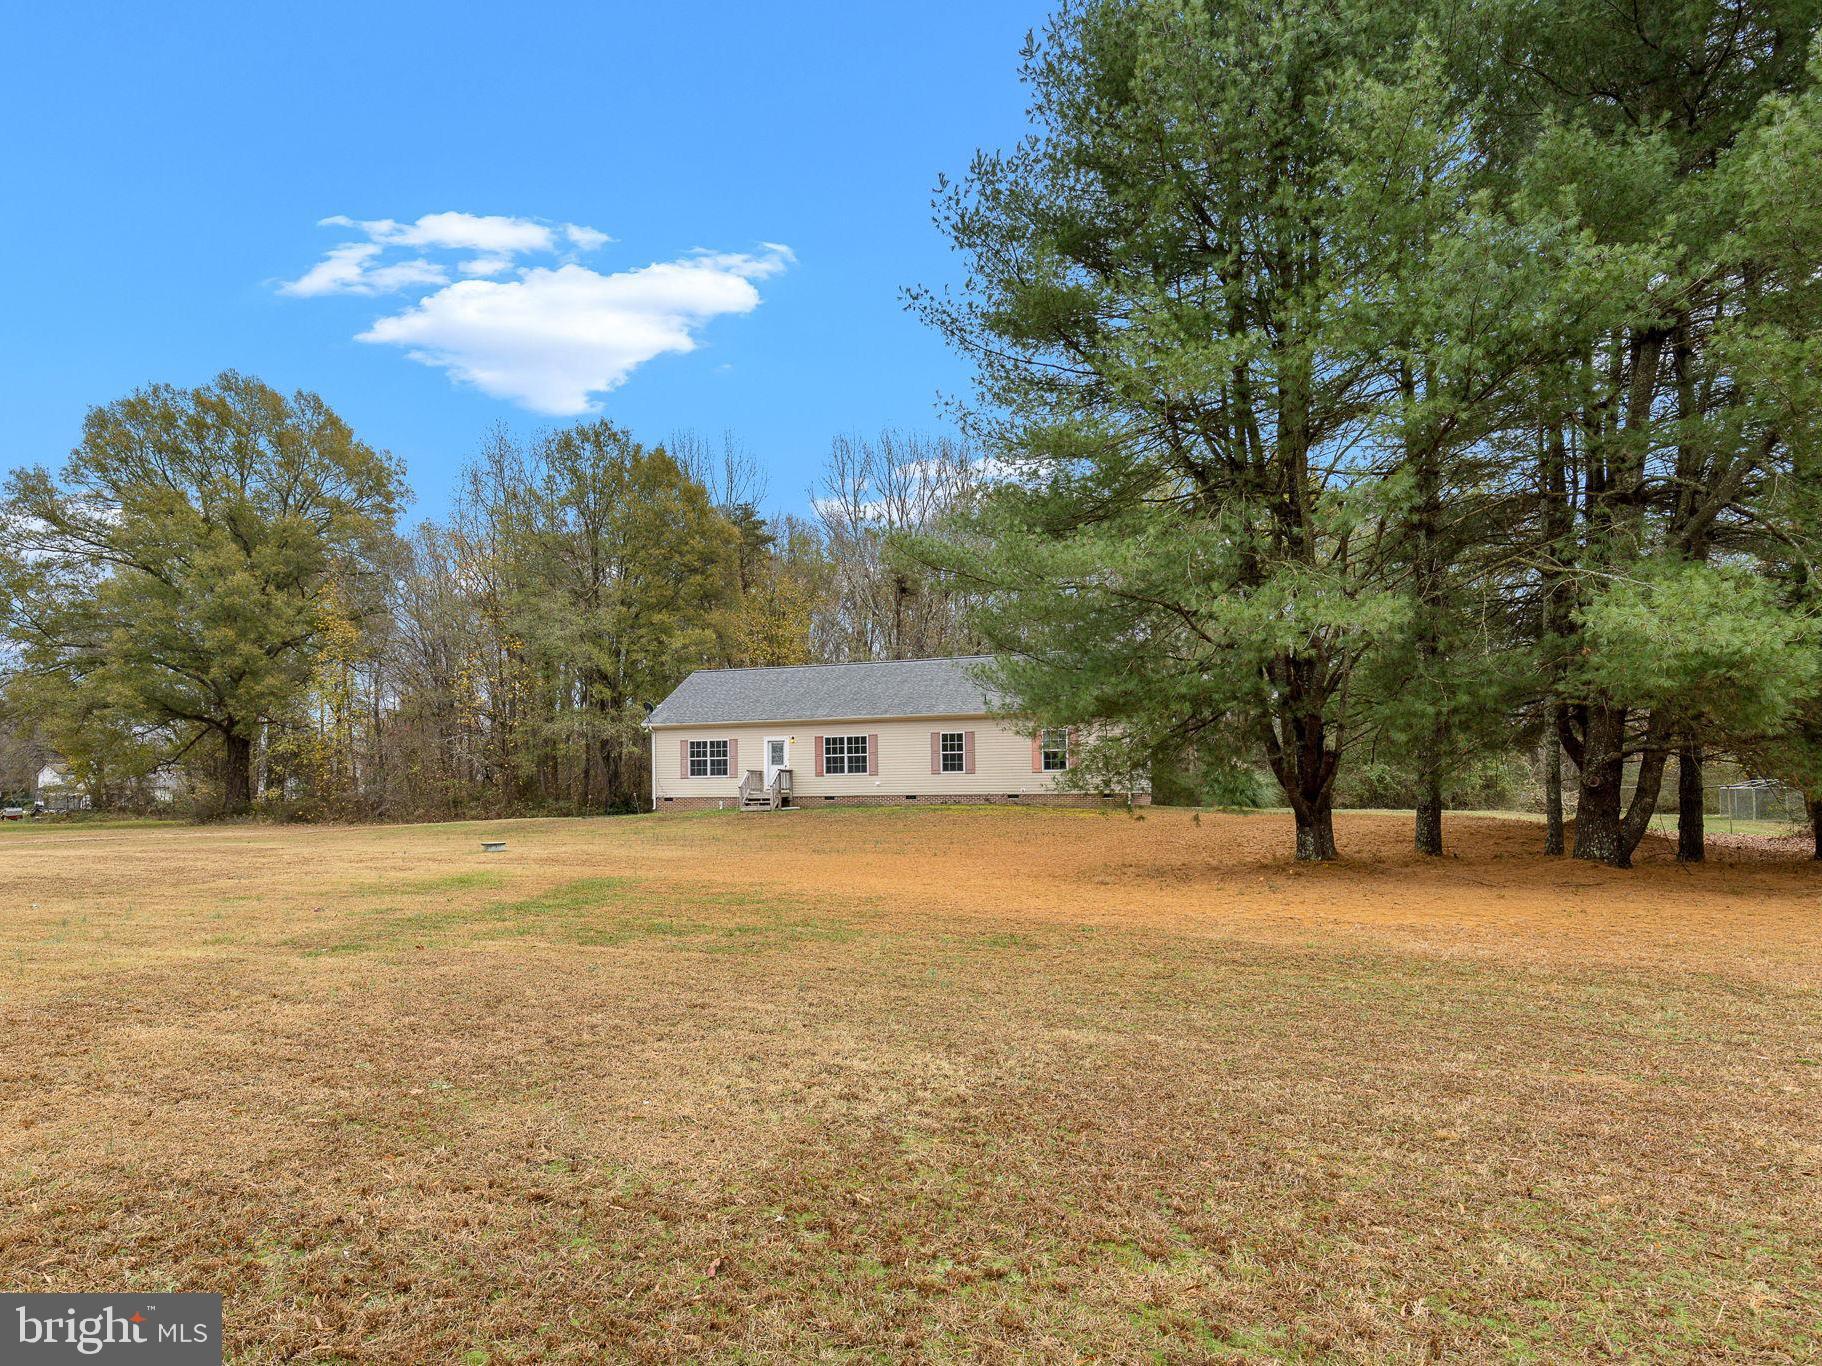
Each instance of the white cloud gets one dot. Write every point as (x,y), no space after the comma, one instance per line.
(494,234)
(492,242)
(486,265)
(351,269)
(585,239)
(554,339)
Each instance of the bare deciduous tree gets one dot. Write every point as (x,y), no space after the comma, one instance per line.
(873,490)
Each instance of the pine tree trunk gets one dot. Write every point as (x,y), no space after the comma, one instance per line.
(1302,750)
(1429,584)
(1297,746)
(1598,836)
(1815,823)
(1429,799)
(1553,792)
(1428,831)
(1605,830)
(1637,819)
(1558,519)
(236,774)
(1316,834)
(1690,836)
(1429,818)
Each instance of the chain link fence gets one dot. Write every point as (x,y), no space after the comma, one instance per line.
(1734,801)
(1757,799)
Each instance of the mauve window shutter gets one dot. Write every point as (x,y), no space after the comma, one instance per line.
(968,751)
(1037,752)
(733,757)
(817,741)
(1070,752)
(936,751)
(683,758)
(873,756)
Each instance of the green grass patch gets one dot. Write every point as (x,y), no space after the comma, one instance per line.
(426,886)
(584,894)
(1000,941)
(596,912)
(76,825)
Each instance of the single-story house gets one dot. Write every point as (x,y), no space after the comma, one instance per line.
(57,790)
(820,734)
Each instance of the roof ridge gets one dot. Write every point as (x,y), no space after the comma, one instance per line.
(843,664)
(827,691)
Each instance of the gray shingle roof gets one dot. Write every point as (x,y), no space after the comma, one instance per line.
(828,692)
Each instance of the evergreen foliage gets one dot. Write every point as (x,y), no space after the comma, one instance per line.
(1363,390)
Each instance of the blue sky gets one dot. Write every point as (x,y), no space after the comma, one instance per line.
(764,173)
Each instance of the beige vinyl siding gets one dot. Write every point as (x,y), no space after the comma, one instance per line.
(1002,760)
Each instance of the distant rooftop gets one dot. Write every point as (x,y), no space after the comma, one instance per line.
(829,692)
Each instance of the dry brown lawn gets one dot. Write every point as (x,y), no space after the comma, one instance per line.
(926,1084)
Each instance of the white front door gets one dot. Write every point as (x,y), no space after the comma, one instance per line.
(777,756)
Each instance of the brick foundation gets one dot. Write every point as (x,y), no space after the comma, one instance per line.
(1075,799)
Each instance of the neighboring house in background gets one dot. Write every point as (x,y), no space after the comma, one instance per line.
(824,734)
(57,790)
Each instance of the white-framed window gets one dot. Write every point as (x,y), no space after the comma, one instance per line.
(708,758)
(953,748)
(844,754)
(1053,745)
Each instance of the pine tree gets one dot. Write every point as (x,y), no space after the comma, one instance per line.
(1631,125)
(1204,310)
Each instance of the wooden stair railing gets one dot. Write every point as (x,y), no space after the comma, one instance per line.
(758,795)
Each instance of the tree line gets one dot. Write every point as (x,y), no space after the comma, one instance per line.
(214,583)
(1406,379)
(1367,386)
